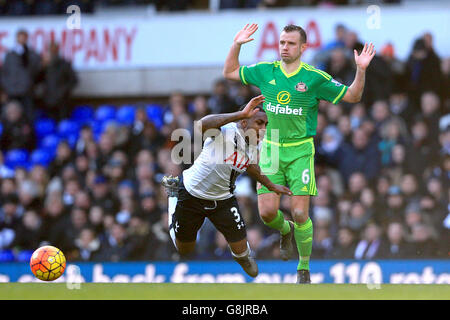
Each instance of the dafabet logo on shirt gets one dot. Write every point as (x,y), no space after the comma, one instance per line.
(279,109)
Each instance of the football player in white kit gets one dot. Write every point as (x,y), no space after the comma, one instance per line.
(206,189)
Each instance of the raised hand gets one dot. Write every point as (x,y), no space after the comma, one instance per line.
(249,110)
(243,36)
(367,53)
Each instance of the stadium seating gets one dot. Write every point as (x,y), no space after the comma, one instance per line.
(6,255)
(126,114)
(44,127)
(82,114)
(67,128)
(105,112)
(16,158)
(24,256)
(155,114)
(50,143)
(41,157)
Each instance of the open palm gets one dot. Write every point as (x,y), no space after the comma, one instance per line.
(243,36)
(367,53)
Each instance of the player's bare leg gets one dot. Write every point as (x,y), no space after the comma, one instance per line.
(268,206)
(185,248)
(241,254)
(303,233)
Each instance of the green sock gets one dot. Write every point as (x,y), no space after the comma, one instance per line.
(279,223)
(303,234)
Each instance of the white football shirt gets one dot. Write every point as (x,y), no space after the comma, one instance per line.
(222,159)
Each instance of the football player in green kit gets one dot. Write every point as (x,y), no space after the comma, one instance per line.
(292,89)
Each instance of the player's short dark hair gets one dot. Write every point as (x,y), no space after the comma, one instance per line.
(259,107)
(293,27)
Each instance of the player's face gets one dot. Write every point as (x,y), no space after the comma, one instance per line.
(290,46)
(257,126)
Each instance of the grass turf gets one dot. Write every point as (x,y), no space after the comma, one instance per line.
(216,291)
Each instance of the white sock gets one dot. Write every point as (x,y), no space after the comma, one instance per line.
(244,254)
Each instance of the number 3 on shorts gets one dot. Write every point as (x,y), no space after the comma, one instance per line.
(236,214)
(305,176)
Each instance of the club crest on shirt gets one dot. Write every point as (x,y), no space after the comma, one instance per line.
(301,86)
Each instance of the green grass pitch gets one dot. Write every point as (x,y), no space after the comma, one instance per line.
(216,291)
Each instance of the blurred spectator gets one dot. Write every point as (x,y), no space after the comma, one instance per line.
(17,129)
(148,207)
(102,196)
(29,232)
(322,244)
(364,157)
(165,249)
(379,80)
(220,100)
(96,216)
(115,246)
(430,106)
(370,244)
(86,137)
(148,138)
(419,153)
(340,67)
(345,245)
(358,217)
(88,246)
(396,247)
(396,67)
(392,132)
(423,72)
(19,72)
(395,205)
(58,80)
(424,244)
(10,218)
(62,159)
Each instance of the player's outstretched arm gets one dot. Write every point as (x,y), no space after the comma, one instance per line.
(254,171)
(355,91)
(215,121)
(231,67)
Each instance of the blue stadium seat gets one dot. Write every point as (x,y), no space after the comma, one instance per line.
(155,114)
(17,158)
(6,255)
(105,113)
(1,129)
(72,140)
(50,143)
(44,127)
(68,128)
(126,114)
(41,157)
(24,255)
(82,114)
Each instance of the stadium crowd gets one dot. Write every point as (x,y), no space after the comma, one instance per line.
(382,165)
